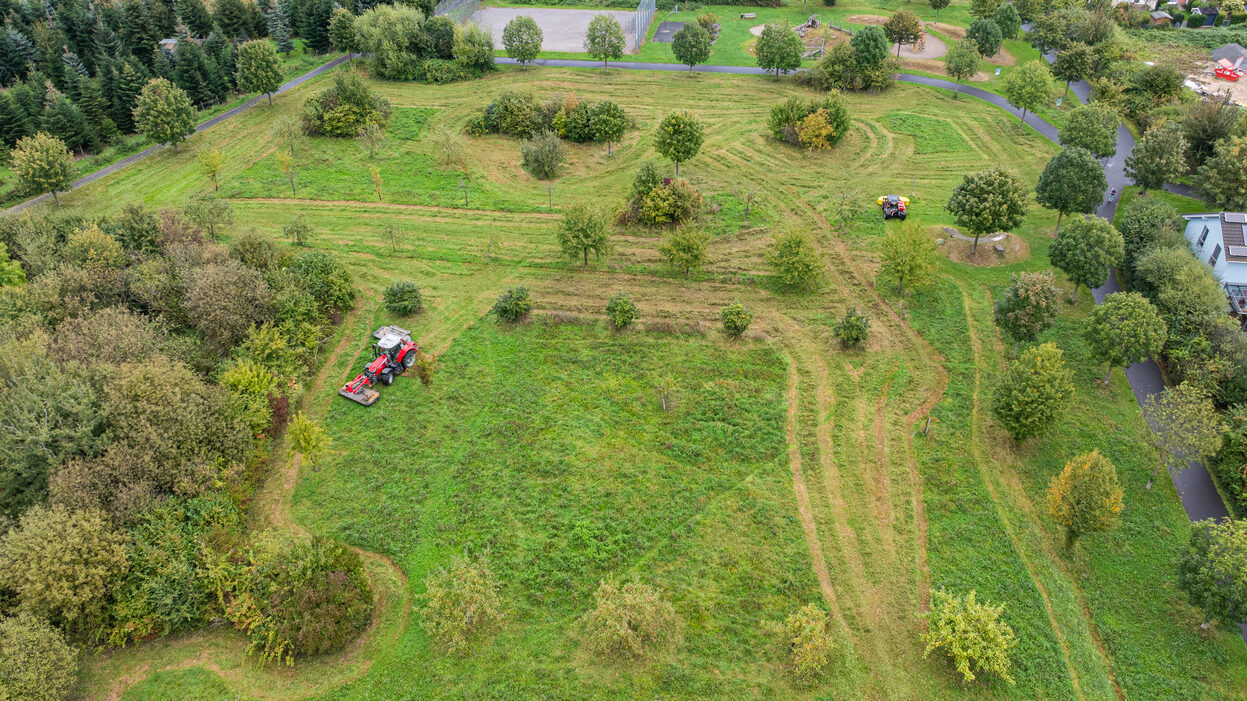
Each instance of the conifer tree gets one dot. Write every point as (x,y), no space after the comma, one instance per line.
(24,46)
(227,67)
(195,16)
(64,120)
(107,46)
(92,103)
(13,64)
(196,76)
(137,35)
(231,17)
(214,45)
(29,97)
(13,125)
(162,20)
(162,67)
(79,32)
(130,81)
(73,66)
(54,66)
(318,14)
(279,30)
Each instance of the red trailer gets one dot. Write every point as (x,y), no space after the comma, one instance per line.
(1227,70)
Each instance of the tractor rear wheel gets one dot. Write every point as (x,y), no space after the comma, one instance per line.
(409,360)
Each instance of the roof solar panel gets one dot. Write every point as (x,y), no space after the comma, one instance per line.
(1236,217)
(1240,251)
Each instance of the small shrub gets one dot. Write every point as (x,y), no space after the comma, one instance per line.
(168,588)
(543,155)
(513,113)
(853,328)
(666,391)
(94,250)
(448,147)
(630,622)
(308,439)
(970,633)
(513,305)
(255,252)
(36,664)
(326,279)
(461,603)
(685,249)
(794,258)
(621,311)
(344,108)
(403,298)
(250,384)
(796,114)
(297,230)
(63,564)
(736,319)
(426,363)
(303,598)
(438,71)
(815,131)
(647,178)
(578,123)
(667,201)
(809,647)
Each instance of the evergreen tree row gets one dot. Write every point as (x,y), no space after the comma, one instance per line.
(73,68)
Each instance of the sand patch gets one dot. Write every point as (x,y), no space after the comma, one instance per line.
(1014,249)
(929,47)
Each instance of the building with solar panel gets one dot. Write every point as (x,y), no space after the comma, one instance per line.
(1218,240)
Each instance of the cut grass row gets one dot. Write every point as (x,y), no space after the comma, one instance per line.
(889,510)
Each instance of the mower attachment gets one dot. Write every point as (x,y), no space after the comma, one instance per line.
(365,396)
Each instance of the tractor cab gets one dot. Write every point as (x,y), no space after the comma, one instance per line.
(389,346)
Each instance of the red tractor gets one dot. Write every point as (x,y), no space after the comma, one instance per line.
(894,206)
(392,354)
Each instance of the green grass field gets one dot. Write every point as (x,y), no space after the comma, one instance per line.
(789,470)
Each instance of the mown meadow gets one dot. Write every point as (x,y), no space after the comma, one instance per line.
(787,471)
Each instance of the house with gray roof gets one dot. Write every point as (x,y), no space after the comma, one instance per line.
(1218,239)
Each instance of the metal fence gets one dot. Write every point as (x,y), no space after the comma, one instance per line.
(640,22)
(459,11)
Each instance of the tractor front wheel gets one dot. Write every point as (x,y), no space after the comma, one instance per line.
(386,378)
